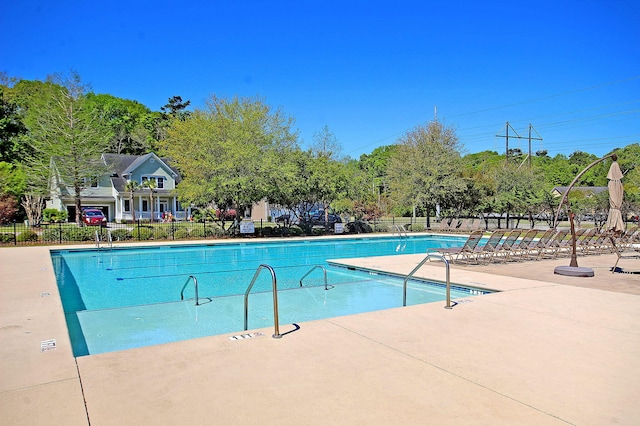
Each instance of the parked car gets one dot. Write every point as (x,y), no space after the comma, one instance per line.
(318,219)
(93,217)
(287,219)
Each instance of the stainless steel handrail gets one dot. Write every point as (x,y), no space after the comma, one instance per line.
(326,287)
(195,283)
(448,276)
(274,283)
(400,229)
(109,239)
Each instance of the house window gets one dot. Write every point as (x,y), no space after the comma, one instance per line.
(159,180)
(127,206)
(145,205)
(91,182)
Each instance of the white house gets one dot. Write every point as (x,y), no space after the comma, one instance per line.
(108,192)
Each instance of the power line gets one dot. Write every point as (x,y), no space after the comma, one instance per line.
(479,135)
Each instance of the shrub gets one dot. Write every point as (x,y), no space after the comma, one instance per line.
(381,227)
(358,227)
(267,231)
(6,238)
(121,234)
(160,234)
(54,215)
(417,227)
(78,234)
(142,233)
(295,231)
(199,232)
(52,234)
(181,233)
(215,231)
(27,236)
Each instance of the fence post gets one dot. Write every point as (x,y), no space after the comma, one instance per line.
(15,234)
(138,229)
(60,232)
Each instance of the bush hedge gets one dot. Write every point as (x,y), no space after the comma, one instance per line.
(27,236)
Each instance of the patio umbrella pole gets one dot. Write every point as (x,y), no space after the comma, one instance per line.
(573,270)
(574,257)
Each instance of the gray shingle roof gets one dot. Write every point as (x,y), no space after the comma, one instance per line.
(121,165)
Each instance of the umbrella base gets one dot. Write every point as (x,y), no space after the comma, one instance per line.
(573,271)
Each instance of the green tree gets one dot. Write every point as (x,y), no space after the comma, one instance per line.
(424,171)
(375,166)
(176,108)
(226,152)
(517,191)
(67,139)
(12,179)
(11,128)
(326,144)
(130,123)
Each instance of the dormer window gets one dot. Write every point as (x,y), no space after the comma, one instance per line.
(91,182)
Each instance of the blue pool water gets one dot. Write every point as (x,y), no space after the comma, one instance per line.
(130,297)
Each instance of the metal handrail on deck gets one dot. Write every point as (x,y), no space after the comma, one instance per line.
(109,239)
(448,276)
(274,283)
(400,229)
(195,283)
(324,270)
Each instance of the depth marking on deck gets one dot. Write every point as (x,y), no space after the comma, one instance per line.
(245,336)
(48,345)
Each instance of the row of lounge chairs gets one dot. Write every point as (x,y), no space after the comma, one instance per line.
(459,225)
(518,245)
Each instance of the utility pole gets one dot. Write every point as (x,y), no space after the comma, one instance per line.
(506,136)
(530,139)
(517,136)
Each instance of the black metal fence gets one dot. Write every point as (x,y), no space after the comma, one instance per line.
(21,233)
(69,233)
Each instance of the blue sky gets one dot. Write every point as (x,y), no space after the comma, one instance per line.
(369,70)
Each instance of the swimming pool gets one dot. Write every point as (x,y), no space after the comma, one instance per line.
(130,297)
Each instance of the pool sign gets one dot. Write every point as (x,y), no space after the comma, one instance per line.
(48,345)
(338,228)
(247,227)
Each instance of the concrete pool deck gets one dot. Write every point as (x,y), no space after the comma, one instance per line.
(547,349)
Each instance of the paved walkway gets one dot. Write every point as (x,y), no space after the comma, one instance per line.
(545,350)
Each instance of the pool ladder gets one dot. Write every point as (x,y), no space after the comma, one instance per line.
(425,260)
(195,283)
(402,233)
(400,229)
(274,283)
(109,239)
(324,270)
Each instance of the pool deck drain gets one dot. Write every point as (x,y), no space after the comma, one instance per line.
(547,349)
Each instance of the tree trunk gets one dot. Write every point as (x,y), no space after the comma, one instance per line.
(78,203)
(33,205)
(151,198)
